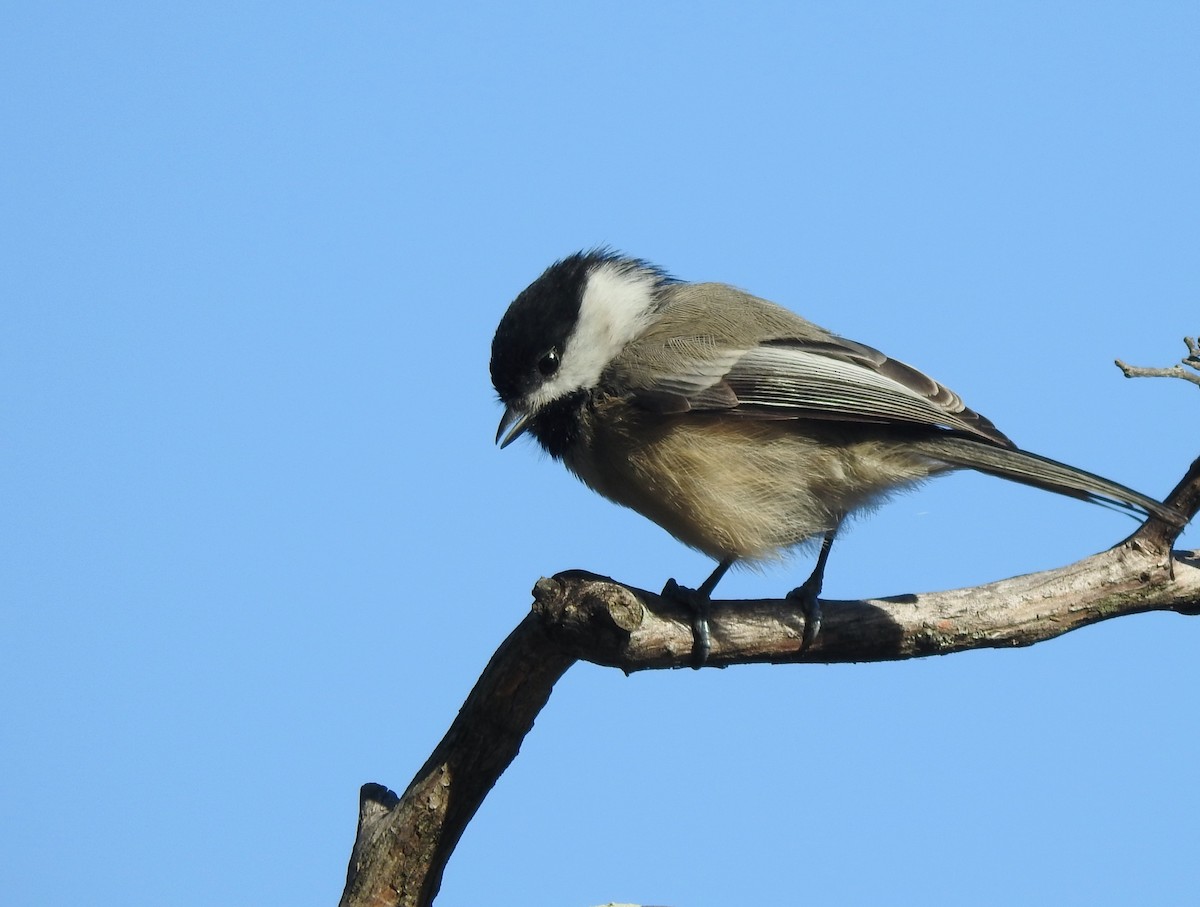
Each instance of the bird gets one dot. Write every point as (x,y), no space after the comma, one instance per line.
(739,427)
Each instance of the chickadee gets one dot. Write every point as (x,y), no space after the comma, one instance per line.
(736,425)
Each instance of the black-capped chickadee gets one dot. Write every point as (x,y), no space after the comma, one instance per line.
(736,425)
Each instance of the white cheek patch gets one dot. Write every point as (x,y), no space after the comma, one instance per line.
(617,305)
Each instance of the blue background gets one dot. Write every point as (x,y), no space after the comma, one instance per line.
(258,544)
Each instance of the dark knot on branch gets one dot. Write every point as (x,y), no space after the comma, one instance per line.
(590,614)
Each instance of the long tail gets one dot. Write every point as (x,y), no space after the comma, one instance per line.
(1042,472)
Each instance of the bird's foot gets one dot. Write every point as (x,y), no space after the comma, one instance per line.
(806,597)
(699,603)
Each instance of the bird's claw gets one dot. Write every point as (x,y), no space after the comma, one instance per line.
(698,603)
(806,597)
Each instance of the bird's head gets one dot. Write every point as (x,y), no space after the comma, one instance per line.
(562,332)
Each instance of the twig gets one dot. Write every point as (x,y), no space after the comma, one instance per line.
(1191,361)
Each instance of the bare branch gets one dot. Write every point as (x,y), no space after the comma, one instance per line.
(403,843)
(1191,361)
(1009,613)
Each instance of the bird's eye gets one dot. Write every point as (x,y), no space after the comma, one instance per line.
(548,364)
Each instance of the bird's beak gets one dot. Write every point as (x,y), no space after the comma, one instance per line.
(519,422)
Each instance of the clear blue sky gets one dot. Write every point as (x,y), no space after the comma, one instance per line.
(258,544)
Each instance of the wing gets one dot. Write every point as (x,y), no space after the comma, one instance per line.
(829,379)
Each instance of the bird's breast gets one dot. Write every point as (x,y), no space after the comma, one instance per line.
(726,486)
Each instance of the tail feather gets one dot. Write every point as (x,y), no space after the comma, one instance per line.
(1042,472)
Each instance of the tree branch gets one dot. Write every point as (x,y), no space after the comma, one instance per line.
(403,843)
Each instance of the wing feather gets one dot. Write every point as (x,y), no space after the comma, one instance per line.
(833,379)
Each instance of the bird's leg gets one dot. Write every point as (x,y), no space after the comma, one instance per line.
(808,595)
(698,601)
